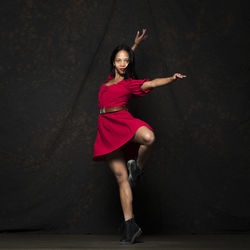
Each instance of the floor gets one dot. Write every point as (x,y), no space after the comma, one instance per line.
(174,242)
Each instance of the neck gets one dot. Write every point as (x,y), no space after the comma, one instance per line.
(118,77)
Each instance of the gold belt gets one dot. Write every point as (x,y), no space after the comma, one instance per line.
(112,109)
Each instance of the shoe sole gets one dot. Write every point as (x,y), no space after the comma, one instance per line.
(136,235)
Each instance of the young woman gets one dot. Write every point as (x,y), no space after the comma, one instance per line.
(123,141)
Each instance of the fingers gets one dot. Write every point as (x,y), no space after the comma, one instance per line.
(139,38)
(143,35)
(180,75)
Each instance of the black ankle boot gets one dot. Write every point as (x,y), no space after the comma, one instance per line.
(134,172)
(131,231)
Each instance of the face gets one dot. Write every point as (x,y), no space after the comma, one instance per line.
(121,62)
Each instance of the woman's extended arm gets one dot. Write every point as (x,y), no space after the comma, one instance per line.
(139,39)
(157,82)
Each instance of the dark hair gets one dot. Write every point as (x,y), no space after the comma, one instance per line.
(130,70)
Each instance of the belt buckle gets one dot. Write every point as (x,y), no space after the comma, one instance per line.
(102,110)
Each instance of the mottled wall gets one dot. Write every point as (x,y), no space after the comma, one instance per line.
(54,57)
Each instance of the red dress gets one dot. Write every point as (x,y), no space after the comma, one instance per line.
(116,129)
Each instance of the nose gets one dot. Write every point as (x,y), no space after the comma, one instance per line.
(123,64)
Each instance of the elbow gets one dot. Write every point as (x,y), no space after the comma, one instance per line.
(147,85)
(152,84)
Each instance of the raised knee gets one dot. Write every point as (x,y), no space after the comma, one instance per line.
(149,138)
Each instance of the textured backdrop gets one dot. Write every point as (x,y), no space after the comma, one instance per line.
(54,58)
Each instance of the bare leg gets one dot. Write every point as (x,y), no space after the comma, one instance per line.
(143,155)
(146,138)
(118,166)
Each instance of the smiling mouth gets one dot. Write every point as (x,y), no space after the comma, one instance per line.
(122,69)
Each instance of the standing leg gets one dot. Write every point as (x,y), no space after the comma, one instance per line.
(131,229)
(118,166)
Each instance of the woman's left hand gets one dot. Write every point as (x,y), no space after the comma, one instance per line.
(139,38)
(177,76)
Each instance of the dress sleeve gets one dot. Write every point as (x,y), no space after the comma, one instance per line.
(109,78)
(134,86)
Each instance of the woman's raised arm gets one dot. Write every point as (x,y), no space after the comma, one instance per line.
(139,38)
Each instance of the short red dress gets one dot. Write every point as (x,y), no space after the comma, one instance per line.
(116,129)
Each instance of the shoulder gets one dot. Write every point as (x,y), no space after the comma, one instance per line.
(110,77)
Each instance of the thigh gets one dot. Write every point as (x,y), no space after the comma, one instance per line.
(141,134)
(117,163)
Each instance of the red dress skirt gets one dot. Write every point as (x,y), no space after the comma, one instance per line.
(116,129)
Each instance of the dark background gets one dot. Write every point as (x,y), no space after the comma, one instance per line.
(54,58)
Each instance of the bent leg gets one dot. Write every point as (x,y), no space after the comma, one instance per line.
(117,165)
(146,138)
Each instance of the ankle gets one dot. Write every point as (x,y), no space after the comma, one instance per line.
(128,218)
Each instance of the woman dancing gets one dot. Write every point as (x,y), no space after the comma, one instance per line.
(122,140)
